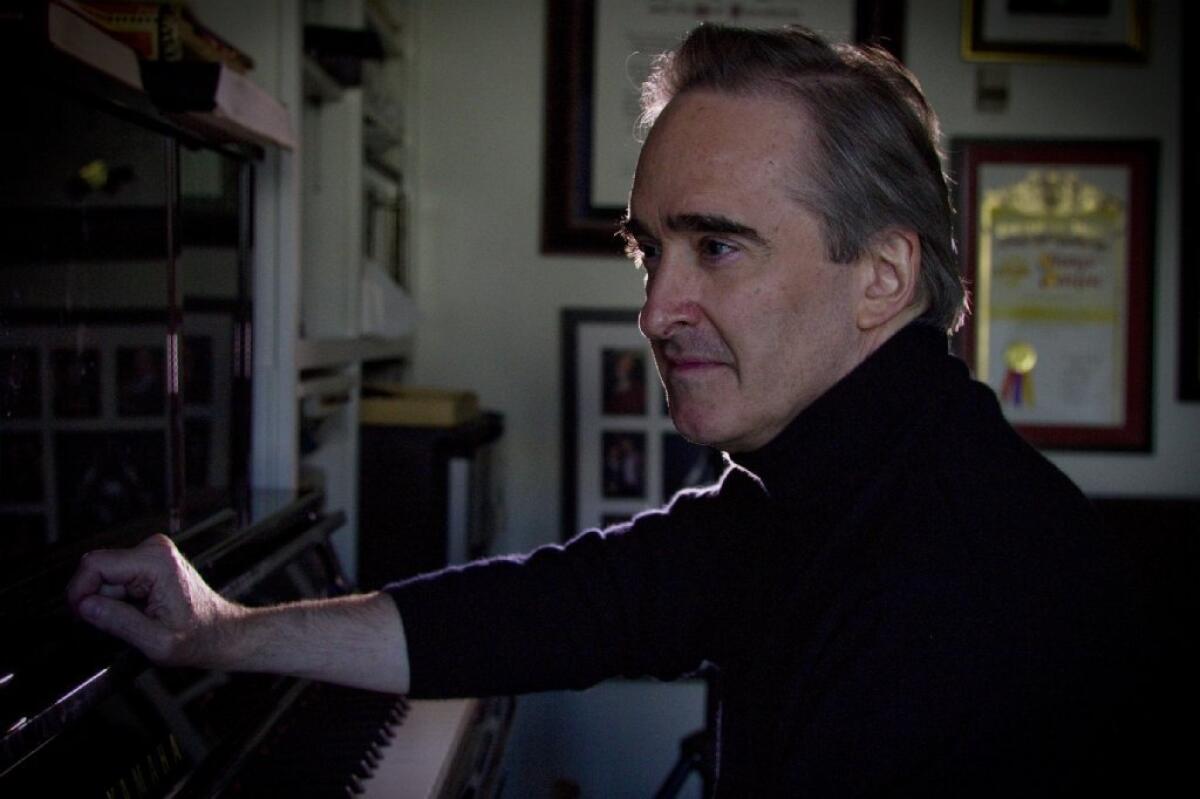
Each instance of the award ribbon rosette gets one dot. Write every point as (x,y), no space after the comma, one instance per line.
(1050,292)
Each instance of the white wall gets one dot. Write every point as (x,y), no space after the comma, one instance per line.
(491,302)
(490,320)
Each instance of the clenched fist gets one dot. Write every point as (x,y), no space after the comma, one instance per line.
(152,598)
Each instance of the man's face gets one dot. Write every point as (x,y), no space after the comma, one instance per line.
(749,320)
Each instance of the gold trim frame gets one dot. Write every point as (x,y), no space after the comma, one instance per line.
(1119,36)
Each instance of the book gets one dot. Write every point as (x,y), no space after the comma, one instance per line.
(386,403)
(163,31)
(70,32)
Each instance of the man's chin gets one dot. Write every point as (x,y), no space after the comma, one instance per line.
(699,431)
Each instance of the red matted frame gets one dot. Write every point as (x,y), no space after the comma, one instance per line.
(1140,160)
(1189,269)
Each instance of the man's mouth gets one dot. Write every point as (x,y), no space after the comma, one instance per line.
(692,362)
(689,365)
(684,358)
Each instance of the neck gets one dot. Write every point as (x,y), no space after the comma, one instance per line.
(873,338)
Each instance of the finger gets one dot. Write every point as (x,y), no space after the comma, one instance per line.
(127,623)
(116,567)
(86,581)
(113,591)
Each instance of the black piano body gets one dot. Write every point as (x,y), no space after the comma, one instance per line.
(85,716)
(126,244)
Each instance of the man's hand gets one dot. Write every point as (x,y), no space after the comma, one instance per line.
(152,598)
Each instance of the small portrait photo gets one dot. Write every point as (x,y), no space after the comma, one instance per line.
(624,382)
(20,383)
(76,383)
(197,368)
(624,464)
(686,465)
(141,381)
(21,468)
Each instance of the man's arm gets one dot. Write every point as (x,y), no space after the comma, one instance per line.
(152,598)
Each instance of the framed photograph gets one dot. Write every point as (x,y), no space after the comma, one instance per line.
(1054,30)
(21,468)
(598,53)
(20,383)
(76,383)
(624,388)
(1057,240)
(1189,269)
(141,381)
(623,464)
(621,454)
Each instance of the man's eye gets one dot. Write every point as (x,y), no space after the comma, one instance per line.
(715,248)
(648,252)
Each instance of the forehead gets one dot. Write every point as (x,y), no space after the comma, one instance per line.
(709,146)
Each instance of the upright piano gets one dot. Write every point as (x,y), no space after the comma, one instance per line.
(83,715)
(126,306)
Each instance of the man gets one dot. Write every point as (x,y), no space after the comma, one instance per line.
(901,597)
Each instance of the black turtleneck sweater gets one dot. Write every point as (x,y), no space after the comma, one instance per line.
(900,596)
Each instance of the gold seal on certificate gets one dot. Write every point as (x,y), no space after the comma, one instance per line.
(1020,357)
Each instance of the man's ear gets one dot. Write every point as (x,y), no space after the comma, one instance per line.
(890,271)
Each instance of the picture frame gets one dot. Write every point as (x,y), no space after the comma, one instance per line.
(20,383)
(1057,240)
(580,208)
(1189,270)
(1112,31)
(618,458)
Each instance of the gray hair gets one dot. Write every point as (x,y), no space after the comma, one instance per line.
(879,162)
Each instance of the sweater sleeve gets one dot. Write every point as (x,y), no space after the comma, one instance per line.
(655,596)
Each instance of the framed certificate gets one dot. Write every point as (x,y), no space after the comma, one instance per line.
(1057,244)
(597,54)
(1054,30)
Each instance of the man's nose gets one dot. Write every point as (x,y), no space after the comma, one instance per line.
(672,302)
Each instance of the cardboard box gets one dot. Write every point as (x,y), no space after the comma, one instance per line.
(413,406)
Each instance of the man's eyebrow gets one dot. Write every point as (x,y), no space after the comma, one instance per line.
(714,223)
(631,229)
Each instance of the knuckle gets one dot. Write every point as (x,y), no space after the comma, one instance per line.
(158,541)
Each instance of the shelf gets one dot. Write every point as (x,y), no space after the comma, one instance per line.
(389,29)
(378,137)
(321,386)
(207,101)
(328,353)
(319,85)
(70,33)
